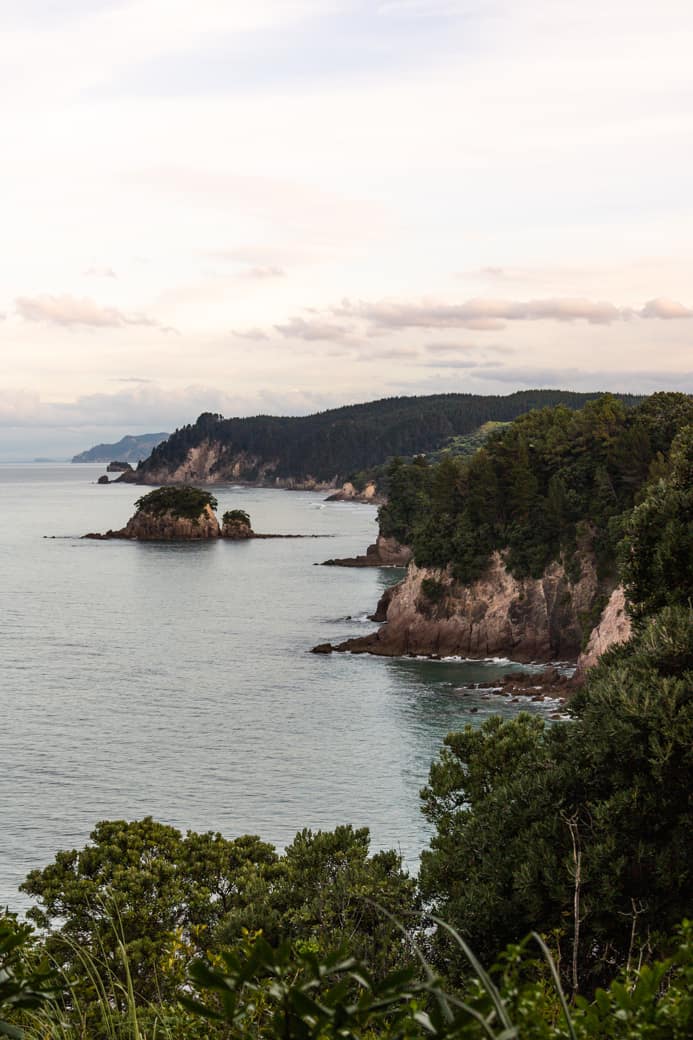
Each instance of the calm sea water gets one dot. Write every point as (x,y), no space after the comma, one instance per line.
(175,680)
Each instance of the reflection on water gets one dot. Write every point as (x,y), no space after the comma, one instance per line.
(175,680)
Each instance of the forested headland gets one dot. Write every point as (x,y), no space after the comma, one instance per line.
(336,445)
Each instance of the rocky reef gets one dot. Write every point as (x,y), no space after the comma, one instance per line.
(385,552)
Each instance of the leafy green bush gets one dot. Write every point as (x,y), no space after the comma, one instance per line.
(26,981)
(236,516)
(181,502)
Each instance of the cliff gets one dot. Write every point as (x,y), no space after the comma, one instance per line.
(166,527)
(348,493)
(497,616)
(613,627)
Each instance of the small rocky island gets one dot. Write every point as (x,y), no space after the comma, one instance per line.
(181,514)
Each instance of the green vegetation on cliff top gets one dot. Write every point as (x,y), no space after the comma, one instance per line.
(181,502)
(334,444)
(538,487)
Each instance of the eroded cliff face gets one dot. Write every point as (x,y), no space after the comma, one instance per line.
(348,493)
(497,616)
(165,527)
(210,463)
(614,627)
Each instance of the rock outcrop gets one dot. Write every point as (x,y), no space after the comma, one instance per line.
(211,463)
(165,527)
(385,552)
(614,627)
(528,619)
(236,526)
(169,528)
(348,493)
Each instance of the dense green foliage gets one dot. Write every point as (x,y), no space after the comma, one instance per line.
(181,502)
(657,548)
(172,895)
(332,445)
(289,994)
(236,516)
(516,803)
(25,980)
(538,486)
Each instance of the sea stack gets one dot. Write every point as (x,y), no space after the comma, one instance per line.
(171,514)
(236,525)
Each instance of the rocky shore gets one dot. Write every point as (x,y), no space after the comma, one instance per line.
(385,552)
(527,620)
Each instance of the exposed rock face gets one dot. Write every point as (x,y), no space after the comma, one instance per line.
(165,527)
(103,479)
(498,615)
(348,493)
(385,552)
(614,627)
(237,530)
(118,467)
(211,463)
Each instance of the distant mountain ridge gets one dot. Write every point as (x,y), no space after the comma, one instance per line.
(321,451)
(128,449)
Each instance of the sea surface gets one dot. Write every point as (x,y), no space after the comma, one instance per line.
(176,680)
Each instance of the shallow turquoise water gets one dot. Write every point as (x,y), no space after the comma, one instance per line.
(175,680)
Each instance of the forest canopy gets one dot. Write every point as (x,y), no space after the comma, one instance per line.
(537,485)
(336,444)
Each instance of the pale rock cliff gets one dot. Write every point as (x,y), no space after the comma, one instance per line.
(614,627)
(210,463)
(529,619)
(165,527)
(348,493)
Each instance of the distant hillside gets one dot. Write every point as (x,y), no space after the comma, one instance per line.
(325,449)
(128,449)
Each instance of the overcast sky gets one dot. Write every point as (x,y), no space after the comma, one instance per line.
(283,205)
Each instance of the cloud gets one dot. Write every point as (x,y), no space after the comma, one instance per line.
(665,309)
(479,314)
(299,328)
(493,314)
(69,311)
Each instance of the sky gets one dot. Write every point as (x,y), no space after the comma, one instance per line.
(286,205)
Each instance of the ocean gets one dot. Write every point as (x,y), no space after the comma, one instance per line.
(175,680)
